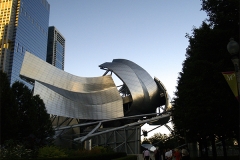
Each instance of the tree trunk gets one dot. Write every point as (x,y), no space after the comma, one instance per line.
(214,152)
(200,148)
(205,148)
(224,148)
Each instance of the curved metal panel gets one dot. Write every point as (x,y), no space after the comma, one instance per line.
(90,98)
(71,96)
(127,75)
(144,90)
(150,87)
(87,106)
(94,97)
(164,94)
(143,76)
(36,69)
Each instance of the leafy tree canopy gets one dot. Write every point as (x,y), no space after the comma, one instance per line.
(223,14)
(162,141)
(204,104)
(146,141)
(23,116)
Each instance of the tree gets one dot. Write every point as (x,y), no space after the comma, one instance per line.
(223,14)
(146,141)
(200,102)
(158,139)
(8,111)
(164,141)
(204,105)
(31,118)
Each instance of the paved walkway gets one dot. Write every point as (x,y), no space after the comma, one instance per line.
(140,156)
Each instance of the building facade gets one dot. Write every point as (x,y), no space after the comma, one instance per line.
(23,27)
(55,48)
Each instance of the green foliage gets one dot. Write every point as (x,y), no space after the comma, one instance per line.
(158,139)
(8,107)
(54,152)
(23,116)
(101,149)
(146,141)
(13,150)
(223,14)
(51,152)
(204,104)
(94,151)
(164,141)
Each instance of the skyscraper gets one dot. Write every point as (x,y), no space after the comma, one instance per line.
(56,48)
(23,27)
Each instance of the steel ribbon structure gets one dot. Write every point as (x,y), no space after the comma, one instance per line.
(95,98)
(90,109)
(142,88)
(71,96)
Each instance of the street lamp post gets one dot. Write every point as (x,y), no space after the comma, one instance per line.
(233,49)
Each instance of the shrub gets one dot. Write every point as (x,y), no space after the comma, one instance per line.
(98,150)
(51,152)
(13,150)
(94,151)
(102,149)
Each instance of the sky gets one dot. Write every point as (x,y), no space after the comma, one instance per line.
(150,33)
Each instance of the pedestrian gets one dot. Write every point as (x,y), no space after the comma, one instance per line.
(173,153)
(185,154)
(177,154)
(146,154)
(168,154)
(163,153)
(157,154)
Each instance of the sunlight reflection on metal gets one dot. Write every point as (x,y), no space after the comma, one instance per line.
(95,98)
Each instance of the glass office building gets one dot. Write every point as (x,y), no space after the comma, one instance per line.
(23,27)
(55,48)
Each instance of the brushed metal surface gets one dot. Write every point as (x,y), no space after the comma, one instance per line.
(144,90)
(94,98)
(71,96)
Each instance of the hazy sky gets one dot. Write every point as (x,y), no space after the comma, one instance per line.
(150,33)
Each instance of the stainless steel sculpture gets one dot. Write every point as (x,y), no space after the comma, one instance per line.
(71,96)
(95,98)
(82,109)
(140,86)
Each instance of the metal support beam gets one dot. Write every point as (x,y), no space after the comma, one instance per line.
(85,137)
(114,119)
(128,125)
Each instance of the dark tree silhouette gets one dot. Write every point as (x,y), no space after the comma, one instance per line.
(204,106)
(8,111)
(27,121)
